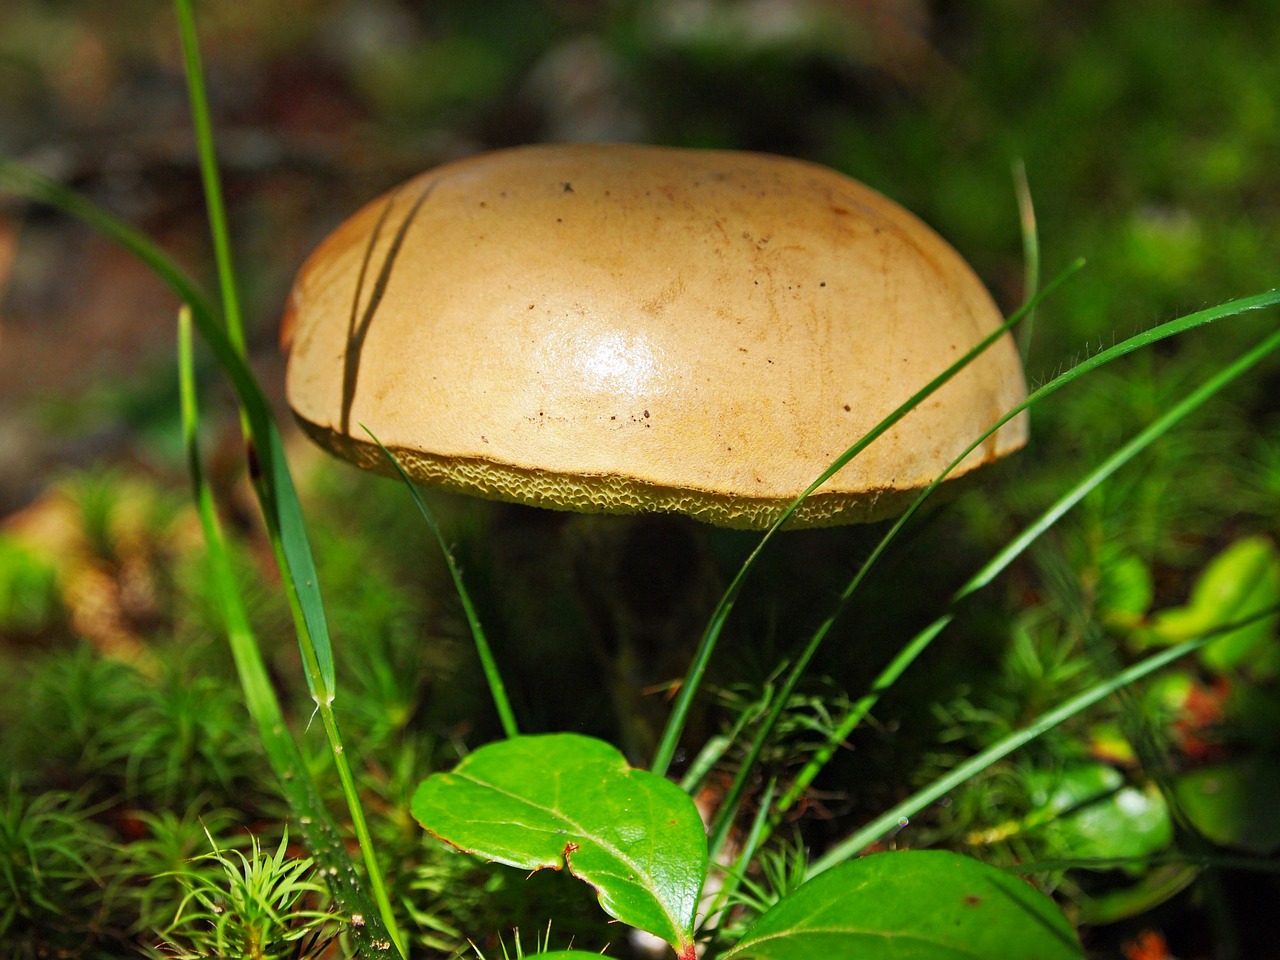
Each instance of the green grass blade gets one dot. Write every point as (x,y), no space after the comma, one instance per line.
(1030,252)
(268,467)
(1215,859)
(1153,432)
(209,174)
(688,689)
(893,818)
(285,524)
(293,552)
(1119,458)
(323,839)
(497,688)
(23,181)
(755,836)
(280,504)
(908,654)
(265,450)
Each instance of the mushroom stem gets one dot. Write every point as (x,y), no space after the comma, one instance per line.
(646,585)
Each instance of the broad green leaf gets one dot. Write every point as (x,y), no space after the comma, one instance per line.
(1235,804)
(918,905)
(567,800)
(1095,814)
(1062,790)
(1241,581)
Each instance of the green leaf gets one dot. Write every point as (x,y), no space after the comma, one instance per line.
(1096,815)
(568,800)
(1235,804)
(1241,581)
(1061,790)
(918,905)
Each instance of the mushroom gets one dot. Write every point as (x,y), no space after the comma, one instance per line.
(621,329)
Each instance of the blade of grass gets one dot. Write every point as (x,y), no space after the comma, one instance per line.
(1223,861)
(24,181)
(1030,252)
(1011,551)
(733,876)
(209,174)
(265,451)
(323,839)
(285,526)
(890,819)
(284,519)
(702,656)
(490,666)
(909,653)
(273,482)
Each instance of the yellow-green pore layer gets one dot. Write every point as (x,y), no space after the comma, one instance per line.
(622,329)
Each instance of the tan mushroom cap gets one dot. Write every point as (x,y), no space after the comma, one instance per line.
(623,328)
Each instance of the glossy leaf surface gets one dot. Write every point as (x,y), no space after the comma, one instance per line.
(1242,581)
(566,800)
(1235,803)
(1093,813)
(918,905)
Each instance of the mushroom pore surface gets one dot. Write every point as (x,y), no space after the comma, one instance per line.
(623,328)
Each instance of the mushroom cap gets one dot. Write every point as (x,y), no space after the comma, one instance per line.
(622,328)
